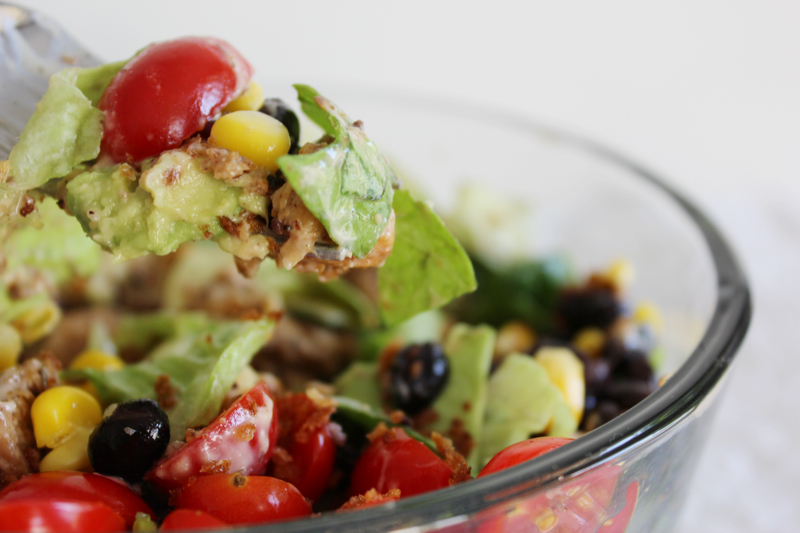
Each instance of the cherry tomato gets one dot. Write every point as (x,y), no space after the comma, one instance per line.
(46,516)
(313,463)
(78,487)
(168,92)
(238,499)
(241,439)
(396,461)
(521,452)
(190,519)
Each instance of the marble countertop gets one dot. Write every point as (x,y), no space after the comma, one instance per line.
(703,93)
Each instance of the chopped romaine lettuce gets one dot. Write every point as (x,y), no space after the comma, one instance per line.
(64,131)
(526,291)
(202,367)
(60,250)
(346,185)
(427,268)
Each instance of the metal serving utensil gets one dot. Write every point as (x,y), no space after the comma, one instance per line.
(33,47)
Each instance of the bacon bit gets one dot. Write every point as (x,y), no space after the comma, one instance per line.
(400,418)
(301,415)
(466,406)
(216,467)
(275,314)
(388,435)
(27,206)
(453,459)
(247,267)
(246,432)
(282,464)
(251,314)
(165,392)
(370,498)
(462,439)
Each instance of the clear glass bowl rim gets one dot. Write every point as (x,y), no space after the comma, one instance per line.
(670,404)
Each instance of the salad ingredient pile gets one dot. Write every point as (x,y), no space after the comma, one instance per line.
(375,359)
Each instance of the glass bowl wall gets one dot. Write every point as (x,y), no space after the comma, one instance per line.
(632,473)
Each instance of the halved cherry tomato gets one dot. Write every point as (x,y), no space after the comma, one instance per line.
(78,487)
(46,516)
(181,519)
(396,461)
(313,463)
(619,523)
(168,92)
(238,499)
(521,452)
(241,439)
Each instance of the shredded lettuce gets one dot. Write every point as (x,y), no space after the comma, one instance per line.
(202,366)
(347,185)
(427,268)
(64,131)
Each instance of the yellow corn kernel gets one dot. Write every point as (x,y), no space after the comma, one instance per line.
(72,454)
(250,100)
(621,274)
(590,341)
(10,346)
(514,337)
(648,313)
(37,322)
(97,360)
(565,371)
(58,412)
(256,136)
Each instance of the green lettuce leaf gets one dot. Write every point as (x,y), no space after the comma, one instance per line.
(347,185)
(306,95)
(64,131)
(61,251)
(93,81)
(427,268)
(202,366)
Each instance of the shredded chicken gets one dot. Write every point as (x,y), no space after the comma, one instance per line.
(19,386)
(292,217)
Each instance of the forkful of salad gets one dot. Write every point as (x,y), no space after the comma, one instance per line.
(178,144)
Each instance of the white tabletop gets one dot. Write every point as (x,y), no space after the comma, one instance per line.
(705,93)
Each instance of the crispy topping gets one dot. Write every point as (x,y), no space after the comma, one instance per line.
(371,497)
(165,392)
(456,461)
(216,467)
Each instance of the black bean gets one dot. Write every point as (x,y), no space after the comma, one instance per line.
(130,440)
(634,365)
(604,412)
(417,375)
(277,109)
(597,373)
(592,306)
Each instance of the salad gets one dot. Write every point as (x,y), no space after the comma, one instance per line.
(358,349)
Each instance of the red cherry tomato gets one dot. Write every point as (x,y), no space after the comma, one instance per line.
(46,516)
(190,519)
(241,439)
(619,523)
(521,452)
(78,487)
(396,461)
(313,463)
(237,499)
(167,93)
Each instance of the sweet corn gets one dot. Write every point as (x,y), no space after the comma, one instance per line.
(250,100)
(565,371)
(98,360)
(72,454)
(10,346)
(256,136)
(37,322)
(621,273)
(648,313)
(590,341)
(58,412)
(513,337)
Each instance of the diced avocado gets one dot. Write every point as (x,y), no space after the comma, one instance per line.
(172,202)
(469,350)
(360,382)
(522,402)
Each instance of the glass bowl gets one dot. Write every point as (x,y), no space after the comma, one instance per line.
(632,473)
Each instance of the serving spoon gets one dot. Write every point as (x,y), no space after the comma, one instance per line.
(33,47)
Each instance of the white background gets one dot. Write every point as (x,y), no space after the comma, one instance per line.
(704,93)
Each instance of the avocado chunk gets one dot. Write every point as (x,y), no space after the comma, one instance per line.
(173,201)
(522,402)
(463,401)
